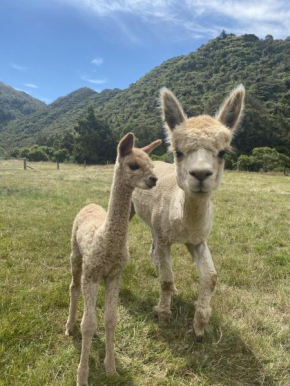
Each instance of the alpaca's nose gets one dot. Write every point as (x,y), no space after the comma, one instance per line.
(152,179)
(201,174)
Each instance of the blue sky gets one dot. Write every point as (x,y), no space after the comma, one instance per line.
(52,47)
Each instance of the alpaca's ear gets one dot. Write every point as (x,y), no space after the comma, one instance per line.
(126,145)
(149,148)
(172,111)
(231,110)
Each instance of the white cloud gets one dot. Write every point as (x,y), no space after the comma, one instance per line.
(31,85)
(198,17)
(93,81)
(18,67)
(97,61)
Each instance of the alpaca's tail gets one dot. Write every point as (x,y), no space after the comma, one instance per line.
(76,257)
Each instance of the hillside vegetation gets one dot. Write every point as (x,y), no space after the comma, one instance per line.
(54,119)
(200,80)
(16,104)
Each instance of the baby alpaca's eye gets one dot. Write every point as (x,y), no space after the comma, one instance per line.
(134,166)
(178,154)
(221,154)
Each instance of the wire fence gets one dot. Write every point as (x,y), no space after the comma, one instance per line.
(12,163)
(24,164)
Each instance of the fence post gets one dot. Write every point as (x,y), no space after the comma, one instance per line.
(24,163)
(57,165)
(85,164)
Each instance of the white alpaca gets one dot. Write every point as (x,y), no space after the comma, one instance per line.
(179,210)
(99,249)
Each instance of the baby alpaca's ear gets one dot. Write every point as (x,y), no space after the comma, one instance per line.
(126,145)
(149,148)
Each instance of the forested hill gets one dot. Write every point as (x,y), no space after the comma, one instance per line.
(62,114)
(203,78)
(200,80)
(14,104)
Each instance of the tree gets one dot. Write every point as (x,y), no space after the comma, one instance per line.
(61,155)
(24,153)
(68,141)
(95,142)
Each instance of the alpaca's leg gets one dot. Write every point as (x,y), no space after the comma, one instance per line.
(75,289)
(152,252)
(167,288)
(207,280)
(112,292)
(88,328)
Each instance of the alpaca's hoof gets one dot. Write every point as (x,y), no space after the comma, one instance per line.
(164,316)
(200,320)
(69,332)
(82,377)
(199,338)
(110,367)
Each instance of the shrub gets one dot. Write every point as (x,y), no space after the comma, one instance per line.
(244,162)
(266,158)
(15,153)
(168,157)
(36,154)
(230,162)
(263,159)
(3,152)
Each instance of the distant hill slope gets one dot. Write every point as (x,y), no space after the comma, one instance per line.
(62,114)
(200,80)
(15,104)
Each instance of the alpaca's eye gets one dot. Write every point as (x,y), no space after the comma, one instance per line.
(178,154)
(221,154)
(134,166)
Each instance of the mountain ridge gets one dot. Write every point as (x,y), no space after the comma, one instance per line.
(200,80)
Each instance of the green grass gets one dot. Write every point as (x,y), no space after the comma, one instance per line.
(247,341)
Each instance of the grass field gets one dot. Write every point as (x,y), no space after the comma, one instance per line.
(247,341)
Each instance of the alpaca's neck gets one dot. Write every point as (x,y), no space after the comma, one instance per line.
(117,219)
(193,208)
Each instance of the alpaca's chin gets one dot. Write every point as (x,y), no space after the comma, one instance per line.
(200,193)
(193,190)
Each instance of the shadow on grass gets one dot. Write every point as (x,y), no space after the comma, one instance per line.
(224,357)
(97,373)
